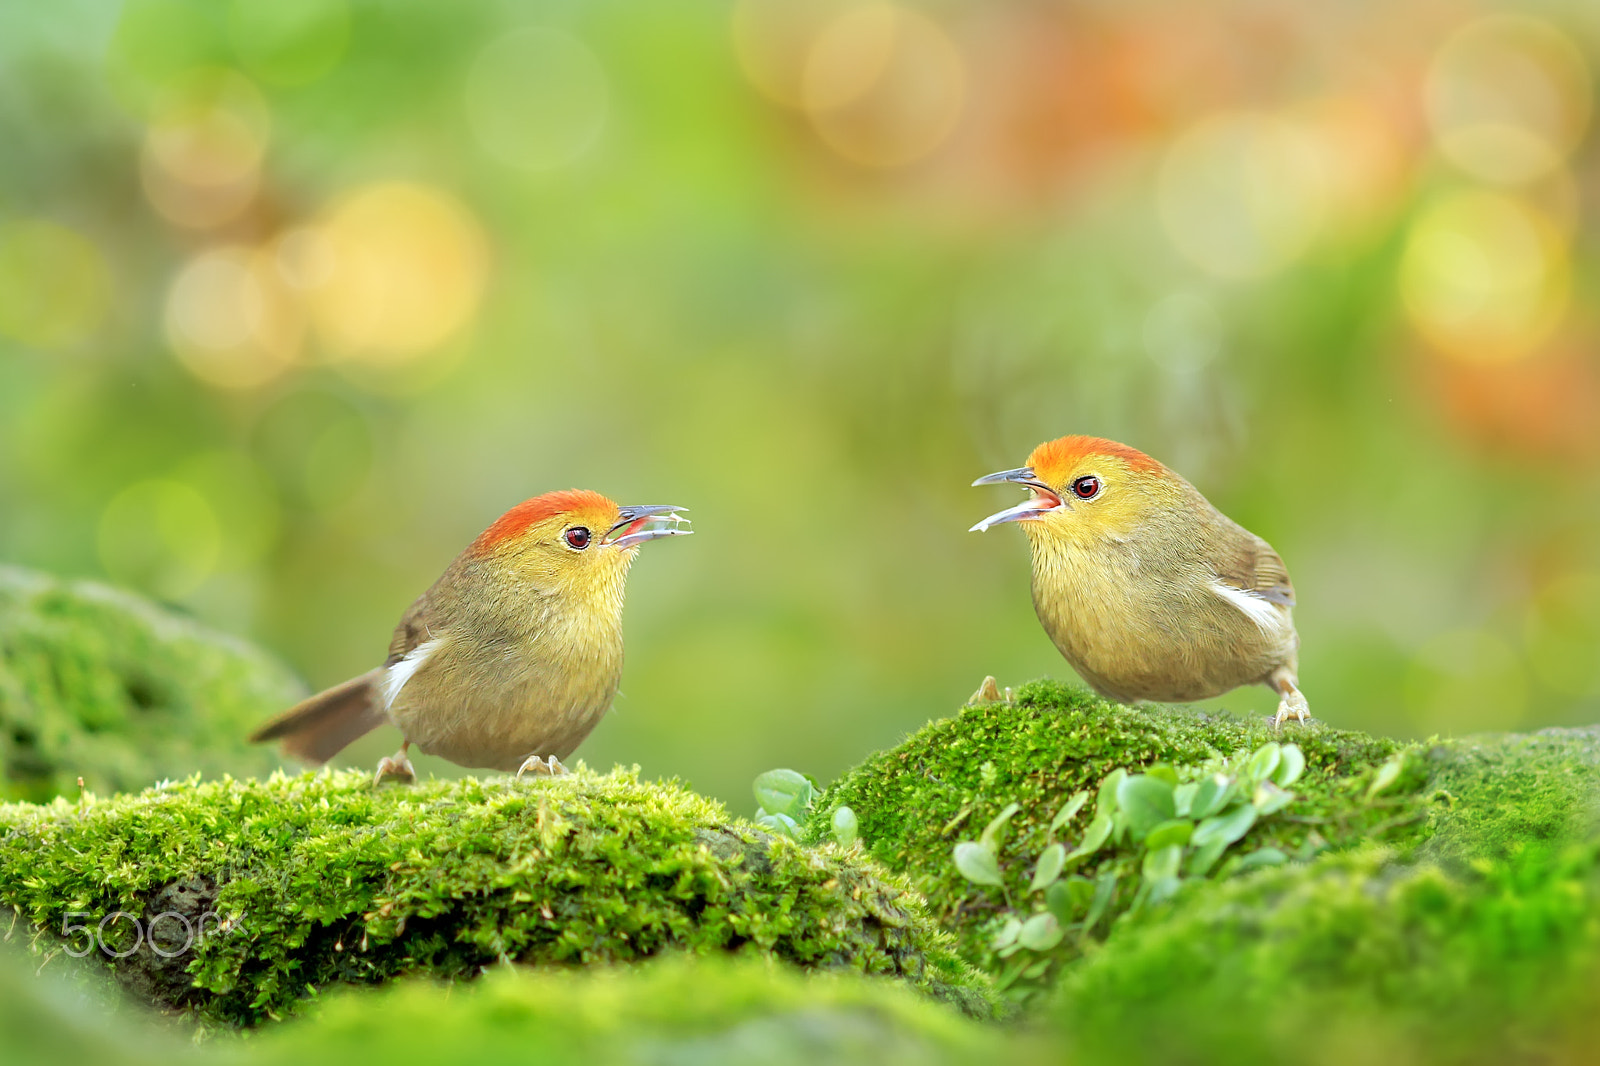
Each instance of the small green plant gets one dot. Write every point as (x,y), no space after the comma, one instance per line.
(1171,827)
(784,800)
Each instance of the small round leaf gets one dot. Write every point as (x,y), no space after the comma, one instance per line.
(1226,827)
(1290,766)
(1048,868)
(846,827)
(1040,933)
(783,792)
(1177,831)
(977,863)
(1147,802)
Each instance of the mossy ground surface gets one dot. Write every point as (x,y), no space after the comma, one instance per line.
(1354,958)
(102,685)
(705,1012)
(945,782)
(679,1009)
(1498,794)
(321,879)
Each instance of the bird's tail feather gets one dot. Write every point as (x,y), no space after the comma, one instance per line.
(316,728)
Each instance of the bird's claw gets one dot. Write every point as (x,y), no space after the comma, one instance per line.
(989,692)
(395,766)
(1293,705)
(540,767)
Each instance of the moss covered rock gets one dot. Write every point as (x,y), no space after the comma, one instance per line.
(102,685)
(304,882)
(944,783)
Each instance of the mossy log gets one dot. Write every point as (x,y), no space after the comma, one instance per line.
(322,879)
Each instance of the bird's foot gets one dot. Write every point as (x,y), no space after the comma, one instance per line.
(1293,705)
(395,766)
(541,768)
(989,692)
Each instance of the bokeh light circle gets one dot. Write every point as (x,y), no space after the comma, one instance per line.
(883,85)
(1242,195)
(1484,276)
(405,271)
(231,320)
(1508,98)
(773,40)
(536,98)
(204,148)
(54,286)
(160,536)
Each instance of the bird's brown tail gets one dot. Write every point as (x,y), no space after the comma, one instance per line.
(316,728)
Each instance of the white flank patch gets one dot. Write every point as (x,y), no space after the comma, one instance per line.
(1263,613)
(394,679)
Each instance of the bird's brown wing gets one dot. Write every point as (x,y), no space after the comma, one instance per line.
(1247,562)
(417,625)
(429,615)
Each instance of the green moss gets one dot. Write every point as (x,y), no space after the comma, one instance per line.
(677,1010)
(322,879)
(1355,957)
(99,684)
(1500,793)
(945,782)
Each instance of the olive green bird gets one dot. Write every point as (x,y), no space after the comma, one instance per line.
(1147,590)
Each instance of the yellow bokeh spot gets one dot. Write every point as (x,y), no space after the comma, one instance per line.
(1243,195)
(400,269)
(204,147)
(1484,276)
(883,85)
(1508,98)
(1465,680)
(232,320)
(773,40)
(54,287)
(160,536)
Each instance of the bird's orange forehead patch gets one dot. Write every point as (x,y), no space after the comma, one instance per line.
(529,513)
(1054,460)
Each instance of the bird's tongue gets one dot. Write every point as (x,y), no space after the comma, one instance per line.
(1036,505)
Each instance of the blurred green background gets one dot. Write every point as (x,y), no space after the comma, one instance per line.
(296,296)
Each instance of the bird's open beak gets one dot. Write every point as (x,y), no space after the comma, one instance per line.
(1043,501)
(635,525)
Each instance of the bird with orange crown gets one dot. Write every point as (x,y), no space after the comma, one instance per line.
(513,655)
(1147,590)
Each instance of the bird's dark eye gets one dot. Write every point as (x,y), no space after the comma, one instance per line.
(577,537)
(1086,488)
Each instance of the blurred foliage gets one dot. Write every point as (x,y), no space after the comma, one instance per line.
(296,297)
(102,690)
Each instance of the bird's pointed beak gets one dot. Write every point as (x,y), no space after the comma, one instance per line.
(1043,501)
(635,525)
